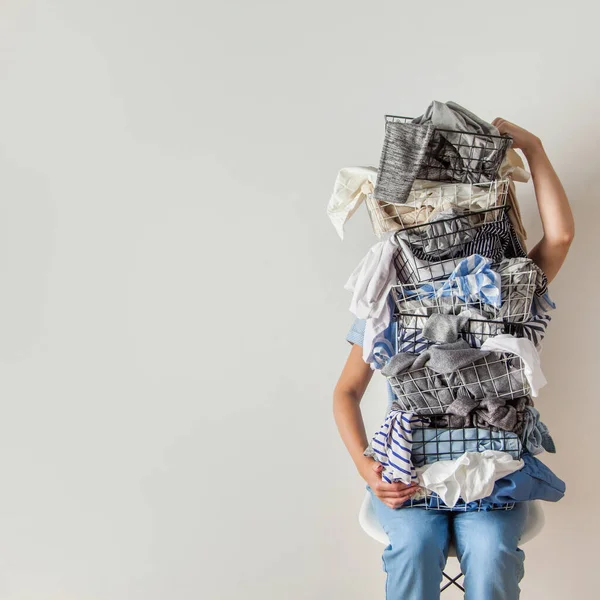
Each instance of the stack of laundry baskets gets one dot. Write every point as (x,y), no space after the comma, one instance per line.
(454,313)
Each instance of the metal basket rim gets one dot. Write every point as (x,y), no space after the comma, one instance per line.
(488,135)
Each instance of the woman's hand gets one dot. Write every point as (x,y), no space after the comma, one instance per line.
(523,139)
(391,494)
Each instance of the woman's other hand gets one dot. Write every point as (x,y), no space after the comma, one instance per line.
(522,139)
(391,494)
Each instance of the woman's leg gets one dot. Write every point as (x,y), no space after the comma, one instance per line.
(487,548)
(417,552)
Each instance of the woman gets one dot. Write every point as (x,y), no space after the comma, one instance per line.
(486,542)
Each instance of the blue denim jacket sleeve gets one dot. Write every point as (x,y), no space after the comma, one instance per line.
(356,335)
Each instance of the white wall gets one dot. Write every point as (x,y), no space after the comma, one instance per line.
(172,314)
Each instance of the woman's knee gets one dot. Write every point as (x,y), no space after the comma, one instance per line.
(489,560)
(418,545)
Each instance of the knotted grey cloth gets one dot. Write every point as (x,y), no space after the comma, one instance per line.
(504,413)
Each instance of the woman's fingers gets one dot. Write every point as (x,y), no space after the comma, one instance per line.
(397,502)
(503,126)
(399,495)
(383,488)
(377,467)
(395,494)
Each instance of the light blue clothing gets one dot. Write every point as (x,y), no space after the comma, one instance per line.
(472,280)
(536,436)
(381,354)
(535,481)
(385,343)
(486,546)
(439,443)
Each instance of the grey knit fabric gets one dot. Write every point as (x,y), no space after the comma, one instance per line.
(402,155)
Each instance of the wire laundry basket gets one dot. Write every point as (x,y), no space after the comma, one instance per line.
(431,444)
(410,338)
(454,155)
(432,501)
(518,290)
(428,199)
(433,250)
(427,392)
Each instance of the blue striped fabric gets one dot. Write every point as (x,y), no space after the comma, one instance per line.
(494,240)
(534,329)
(473,279)
(392,444)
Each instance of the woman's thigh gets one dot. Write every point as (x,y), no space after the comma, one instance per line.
(413,527)
(487,530)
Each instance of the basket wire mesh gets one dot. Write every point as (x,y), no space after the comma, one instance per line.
(454,155)
(432,444)
(426,392)
(427,200)
(409,336)
(440,220)
(518,289)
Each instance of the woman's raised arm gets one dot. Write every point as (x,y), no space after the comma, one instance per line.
(557,219)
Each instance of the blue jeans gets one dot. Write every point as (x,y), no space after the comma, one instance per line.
(486,546)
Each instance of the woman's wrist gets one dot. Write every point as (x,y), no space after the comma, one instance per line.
(533,148)
(364,465)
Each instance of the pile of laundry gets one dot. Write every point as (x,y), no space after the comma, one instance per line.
(454,312)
